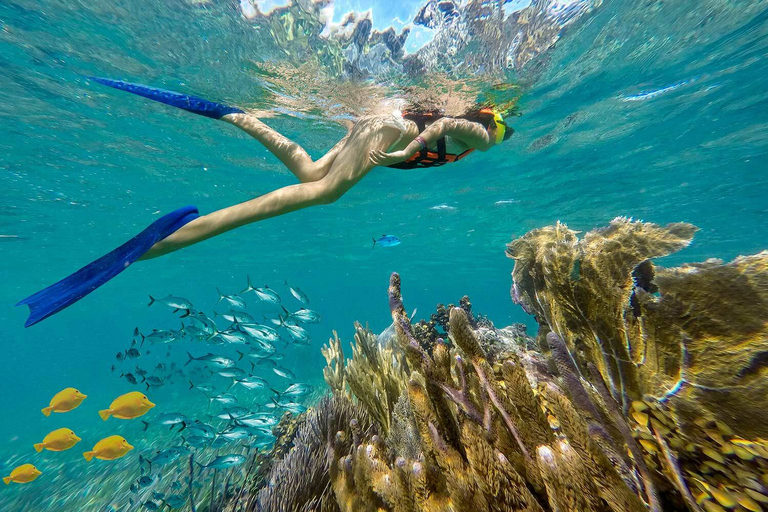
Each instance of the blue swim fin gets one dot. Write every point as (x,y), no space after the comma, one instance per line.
(183,101)
(69,290)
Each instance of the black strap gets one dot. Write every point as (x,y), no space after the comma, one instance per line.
(441,149)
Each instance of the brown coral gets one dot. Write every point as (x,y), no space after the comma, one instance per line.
(623,405)
(682,350)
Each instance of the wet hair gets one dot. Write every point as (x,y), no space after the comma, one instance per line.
(487,120)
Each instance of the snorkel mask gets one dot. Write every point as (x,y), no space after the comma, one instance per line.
(503,132)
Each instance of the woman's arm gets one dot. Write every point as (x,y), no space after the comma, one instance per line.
(472,134)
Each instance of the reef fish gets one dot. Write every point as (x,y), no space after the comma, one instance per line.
(132,353)
(297,389)
(57,441)
(240,317)
(157,336)
(297,293)
(109,448)
(233,300)
(129,377)
(260,332)
(212,360)
(176,303)
(128,406)
(224,462)
(65,400)
(22,474)
(304,315)
(251,382)
(232,337)
(386,241)
(170,418)
(299,334)
(233,413)
(235,434)
(161,458)
(267,294)
(152,382)
(284,372)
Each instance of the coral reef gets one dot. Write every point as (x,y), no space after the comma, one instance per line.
(300,481)
(645,389)
(376,375)
(682,350)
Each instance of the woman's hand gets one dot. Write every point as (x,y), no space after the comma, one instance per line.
(384,159)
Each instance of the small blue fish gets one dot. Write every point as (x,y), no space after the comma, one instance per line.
(386,241)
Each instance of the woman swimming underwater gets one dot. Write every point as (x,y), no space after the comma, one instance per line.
(409,141)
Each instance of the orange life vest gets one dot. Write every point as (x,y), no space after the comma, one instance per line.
(426,157)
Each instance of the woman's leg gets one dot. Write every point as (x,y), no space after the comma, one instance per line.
(347,168)
(288,152)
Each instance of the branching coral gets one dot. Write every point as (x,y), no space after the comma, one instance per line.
(647,390)
(376,375)
(301,480)
(682,350)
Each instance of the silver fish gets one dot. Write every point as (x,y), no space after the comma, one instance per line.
(204,387)
(251,382)
(297,293)
(198,441)
(284,372)
(306,316)
(231,413)
(235,434)
(203,323)
(225,461)
(171,418)
(232,337)
(297,333)
(233,301)
(212,360)
(224,398)
(297,389)
(201,429)
(267,294)
(259,420)
(231,373)
(259,332)
(293,407)
(172,302)
(159,337)
(240,317)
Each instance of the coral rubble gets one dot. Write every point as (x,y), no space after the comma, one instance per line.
(645,389)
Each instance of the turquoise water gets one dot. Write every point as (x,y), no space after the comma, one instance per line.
(654,110)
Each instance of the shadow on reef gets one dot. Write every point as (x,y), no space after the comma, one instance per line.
(646,389)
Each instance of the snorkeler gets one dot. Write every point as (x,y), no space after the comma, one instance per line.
(407,141)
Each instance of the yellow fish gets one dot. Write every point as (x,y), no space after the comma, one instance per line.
(58,441)
(128,406)
(23,474)
(109,448)
(65,400)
